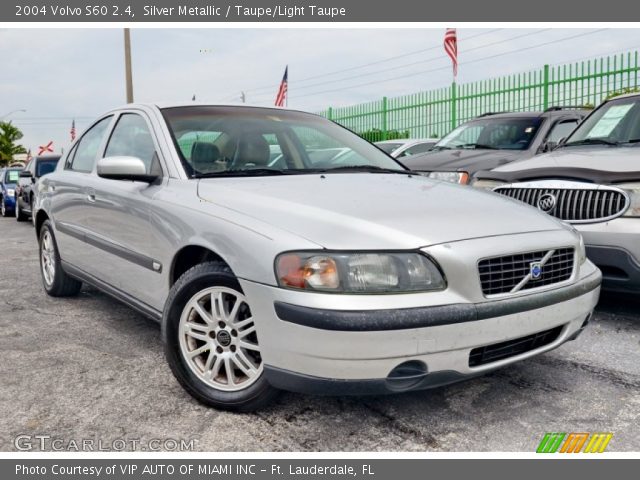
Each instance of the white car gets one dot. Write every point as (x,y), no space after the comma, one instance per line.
(405,147)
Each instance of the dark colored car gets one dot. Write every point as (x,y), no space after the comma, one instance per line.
(36,168)
(495,139)
(8,181)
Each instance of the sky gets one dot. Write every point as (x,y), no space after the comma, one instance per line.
(58,75)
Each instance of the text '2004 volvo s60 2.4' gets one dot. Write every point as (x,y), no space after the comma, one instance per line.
(271,270)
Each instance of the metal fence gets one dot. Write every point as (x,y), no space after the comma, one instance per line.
(434,113)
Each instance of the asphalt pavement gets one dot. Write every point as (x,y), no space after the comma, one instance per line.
(89,369)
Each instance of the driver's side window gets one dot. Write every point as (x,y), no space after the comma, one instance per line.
(131,138)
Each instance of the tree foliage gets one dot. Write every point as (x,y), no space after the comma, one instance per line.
(9,136)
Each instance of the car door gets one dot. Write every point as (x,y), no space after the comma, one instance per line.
(126,243)
(68,192)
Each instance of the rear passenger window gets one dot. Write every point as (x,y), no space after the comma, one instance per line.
(131,138)
(87,149)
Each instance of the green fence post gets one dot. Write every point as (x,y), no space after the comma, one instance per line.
(454,106)
(330,113)
(545,88)
(384,118)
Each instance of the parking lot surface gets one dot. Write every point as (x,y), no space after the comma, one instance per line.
(91,368)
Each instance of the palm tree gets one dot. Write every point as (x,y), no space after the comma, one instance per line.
(9,135)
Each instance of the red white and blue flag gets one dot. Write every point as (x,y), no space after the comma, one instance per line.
(73,130)
(281,98)
(451,47)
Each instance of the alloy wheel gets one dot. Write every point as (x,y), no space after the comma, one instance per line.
(47,258)
(218,339)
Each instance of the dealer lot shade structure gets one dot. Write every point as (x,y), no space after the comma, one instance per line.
(361,278)
(592,182)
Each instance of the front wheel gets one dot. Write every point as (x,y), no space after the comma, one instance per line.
(55,280)
(211,343)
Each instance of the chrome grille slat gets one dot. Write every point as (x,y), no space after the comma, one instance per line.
(574,204)
(500,275)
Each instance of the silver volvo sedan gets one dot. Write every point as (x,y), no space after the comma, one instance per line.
(270,268)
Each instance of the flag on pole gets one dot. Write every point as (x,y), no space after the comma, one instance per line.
(48,148)
(451,47)
(73,130)
(282,91)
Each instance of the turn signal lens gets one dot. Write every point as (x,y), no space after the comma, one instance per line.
(317,272)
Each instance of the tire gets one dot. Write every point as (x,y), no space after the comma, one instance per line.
(21,217)
(3,209)
(226,375)
(33,213)
(55,280)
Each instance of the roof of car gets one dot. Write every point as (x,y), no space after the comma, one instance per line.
(549,112)
(163,105)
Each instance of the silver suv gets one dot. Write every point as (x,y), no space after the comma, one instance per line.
(593,182)
(349,279)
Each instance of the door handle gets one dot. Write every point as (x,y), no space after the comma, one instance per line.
(91,197)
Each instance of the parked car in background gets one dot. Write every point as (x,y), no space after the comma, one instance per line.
(25,190)
(361,278)
(406,147)
(593,182)
(8,181)
(495,139)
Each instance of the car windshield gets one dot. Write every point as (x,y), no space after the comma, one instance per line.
(11,176)
(389,147)
(45,166)
(615,123)
(492,133)
(257,141)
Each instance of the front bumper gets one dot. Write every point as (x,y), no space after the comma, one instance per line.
(614,247)
(307,348)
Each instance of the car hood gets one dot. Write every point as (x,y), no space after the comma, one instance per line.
(373,211)
(468,160)
(601,164)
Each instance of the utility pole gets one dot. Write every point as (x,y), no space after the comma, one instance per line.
(127,65)
(243,97)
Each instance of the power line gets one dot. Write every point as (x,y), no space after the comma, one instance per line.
(388,59)
(428,60)
(448,66)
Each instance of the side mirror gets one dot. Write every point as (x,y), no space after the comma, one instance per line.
(25,174)
(124,168)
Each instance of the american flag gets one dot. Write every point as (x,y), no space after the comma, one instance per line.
(451,47)
(73,130)
(282,91)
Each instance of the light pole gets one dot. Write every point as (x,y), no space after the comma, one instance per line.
(11,113)
(127,65)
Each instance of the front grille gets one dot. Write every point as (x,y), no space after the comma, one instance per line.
(498,351)
(573,205)
(509,274)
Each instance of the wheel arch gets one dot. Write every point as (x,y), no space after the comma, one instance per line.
(189,256)
(40,219)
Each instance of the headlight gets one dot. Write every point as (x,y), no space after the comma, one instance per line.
(633,189)
(358,272)
(454,177)
(486,184)
(11,192)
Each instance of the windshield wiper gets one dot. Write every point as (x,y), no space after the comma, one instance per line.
(591,141)
(476,146)
(363,168)
(253,172)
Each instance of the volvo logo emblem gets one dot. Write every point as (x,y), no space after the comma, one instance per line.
(547,202)
(224,338)
(535,268)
